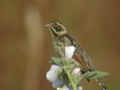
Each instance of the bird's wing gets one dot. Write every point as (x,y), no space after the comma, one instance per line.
(83,59)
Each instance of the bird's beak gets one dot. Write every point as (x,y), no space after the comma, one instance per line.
(47,25)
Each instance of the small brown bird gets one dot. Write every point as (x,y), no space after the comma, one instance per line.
(61,38)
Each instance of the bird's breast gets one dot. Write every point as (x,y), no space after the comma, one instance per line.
(59,46)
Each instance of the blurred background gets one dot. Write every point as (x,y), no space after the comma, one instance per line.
(25,47)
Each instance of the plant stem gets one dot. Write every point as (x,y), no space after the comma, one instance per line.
(70,78)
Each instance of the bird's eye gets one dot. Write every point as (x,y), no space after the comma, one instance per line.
(58,28)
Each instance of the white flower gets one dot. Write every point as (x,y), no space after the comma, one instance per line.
(58,83)
(76,71)
(52,73)
(65,88)
(69,51)
(80,88)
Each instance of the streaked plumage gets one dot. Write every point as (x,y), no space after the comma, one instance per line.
(61,39)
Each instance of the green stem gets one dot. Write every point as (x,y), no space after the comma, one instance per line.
(70,78)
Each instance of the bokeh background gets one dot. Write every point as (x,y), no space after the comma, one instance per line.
(25,47)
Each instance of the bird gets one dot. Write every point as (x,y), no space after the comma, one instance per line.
(61,39)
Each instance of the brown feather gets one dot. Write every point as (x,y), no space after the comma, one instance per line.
(81,62)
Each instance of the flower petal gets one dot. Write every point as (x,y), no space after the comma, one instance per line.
(51,75)
(69,51)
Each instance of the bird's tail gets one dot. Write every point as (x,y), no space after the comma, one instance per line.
(101,84)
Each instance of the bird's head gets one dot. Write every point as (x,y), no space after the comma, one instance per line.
(56,28)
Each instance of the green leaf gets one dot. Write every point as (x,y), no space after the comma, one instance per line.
(96,74)
(56,61)
(61,61)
